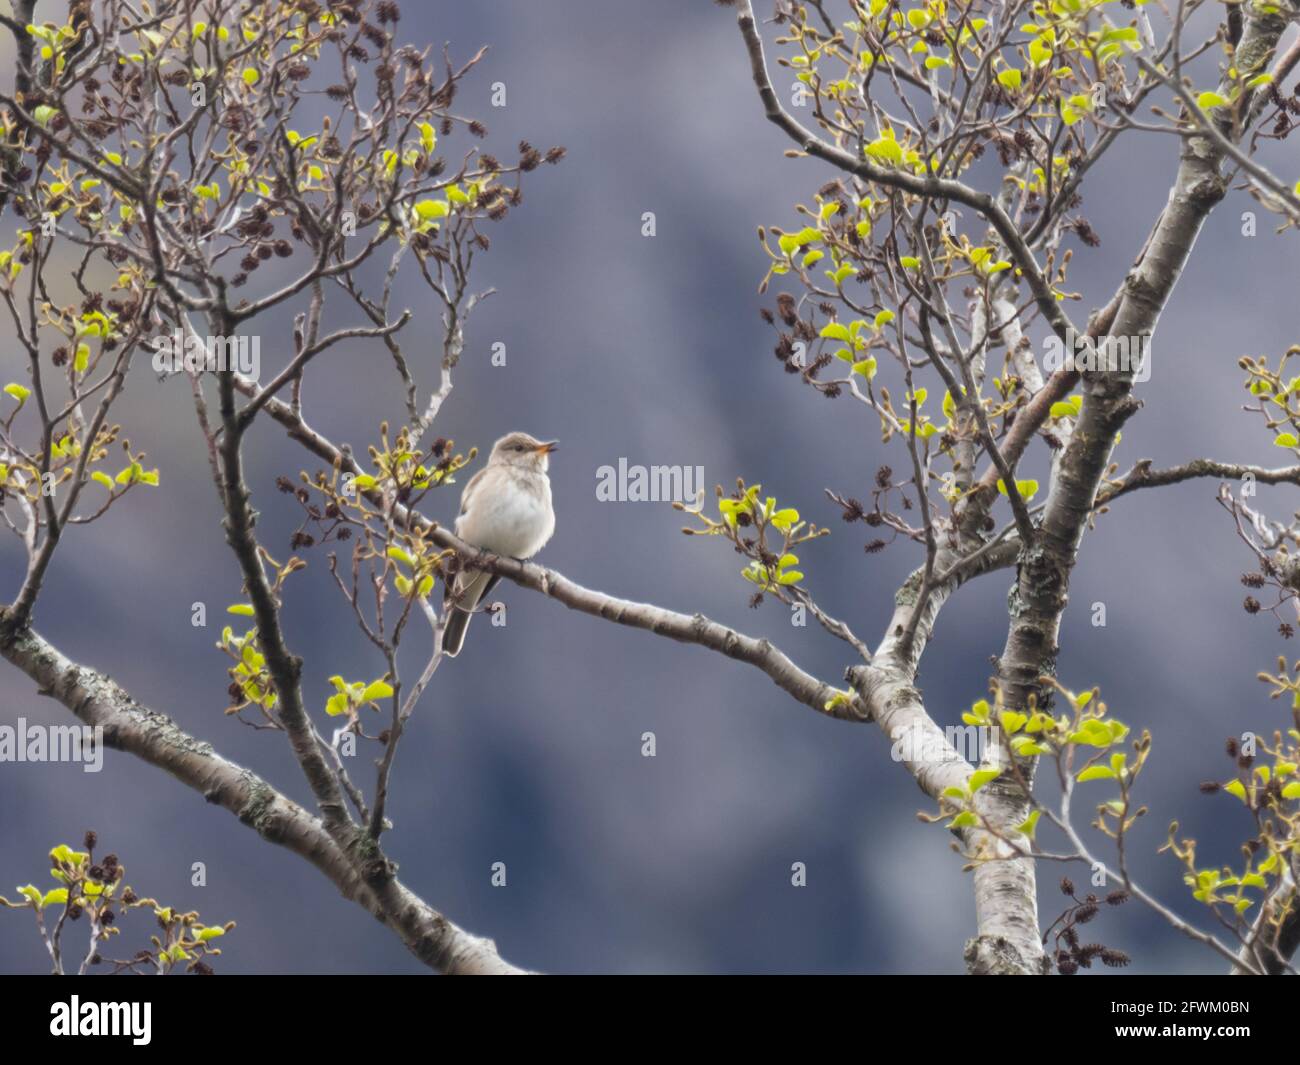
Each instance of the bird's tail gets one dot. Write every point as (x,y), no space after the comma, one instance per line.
(460,608)
(453,636)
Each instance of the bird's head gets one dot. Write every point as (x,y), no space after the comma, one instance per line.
(520,449)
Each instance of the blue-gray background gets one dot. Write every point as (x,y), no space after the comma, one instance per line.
(527,748)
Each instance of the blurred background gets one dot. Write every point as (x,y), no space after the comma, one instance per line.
(527,749)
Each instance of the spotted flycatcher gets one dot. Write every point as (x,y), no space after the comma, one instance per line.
(505,509)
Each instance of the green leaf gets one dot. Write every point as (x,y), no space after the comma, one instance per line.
(1012,721)
(30,892)
(55,895)
(1027,488)
(1095,733)
(867,368)
(1206,101)
(1030,823)
(397,553)
(431,209)
(885,150)
(242,609)
(337,704)
(837,700)
(251,76)
(883,318)
(836,331)
(1067,408)
(18,392)
(1292,790)
(376,690)
(981,777)
(1237,788)
(1010,79)
(845,271)
(1281,440)
(1024,745)
(1096,772)
(210,933)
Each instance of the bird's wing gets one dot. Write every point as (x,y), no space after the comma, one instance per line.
(466,497)
(486,590)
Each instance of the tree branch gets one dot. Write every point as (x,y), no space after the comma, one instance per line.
(98,701)
(1143,476)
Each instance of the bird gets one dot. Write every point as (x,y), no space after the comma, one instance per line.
(505,509)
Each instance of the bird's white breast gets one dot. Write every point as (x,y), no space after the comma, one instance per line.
(512,517)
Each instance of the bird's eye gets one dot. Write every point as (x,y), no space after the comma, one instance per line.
(519,447)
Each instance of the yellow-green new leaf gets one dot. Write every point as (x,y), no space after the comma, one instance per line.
(1096,772)
(1030,823)
(376,690)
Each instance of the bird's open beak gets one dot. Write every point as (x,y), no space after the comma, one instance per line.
(549,446)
